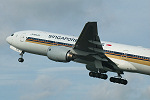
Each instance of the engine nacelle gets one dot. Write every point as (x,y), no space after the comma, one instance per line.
(59,54)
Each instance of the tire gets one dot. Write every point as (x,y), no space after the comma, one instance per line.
(21,60)
(104,76)
(91,74)
(112,79)
(125,82)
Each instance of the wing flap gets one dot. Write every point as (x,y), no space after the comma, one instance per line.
(96,50)
(99,58)
(95,42)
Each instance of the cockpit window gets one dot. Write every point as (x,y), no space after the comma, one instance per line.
(12,35)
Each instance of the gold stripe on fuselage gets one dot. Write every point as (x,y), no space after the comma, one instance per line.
(129,59)
(111,55)
(45,43)
(39,43)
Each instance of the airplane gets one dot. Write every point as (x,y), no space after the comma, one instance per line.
(99,57)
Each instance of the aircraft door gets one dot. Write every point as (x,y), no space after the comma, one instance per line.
(124,54)
(22,37)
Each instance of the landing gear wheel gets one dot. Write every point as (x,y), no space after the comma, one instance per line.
(103,76)
(112,79)
(98,75)
(118,80)
(92,74)
(21,60)
(124,82)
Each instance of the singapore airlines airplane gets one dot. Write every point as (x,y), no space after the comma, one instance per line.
(99,57)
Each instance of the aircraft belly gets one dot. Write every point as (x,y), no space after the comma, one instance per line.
(33,48)
(38,49)
(143,69)
(124,65)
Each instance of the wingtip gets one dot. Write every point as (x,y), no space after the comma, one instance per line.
(91,23)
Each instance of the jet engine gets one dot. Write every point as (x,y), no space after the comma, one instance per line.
(60,54)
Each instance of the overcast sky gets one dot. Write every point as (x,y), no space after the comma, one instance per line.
(38,78)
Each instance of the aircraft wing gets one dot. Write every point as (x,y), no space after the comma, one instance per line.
(89,49)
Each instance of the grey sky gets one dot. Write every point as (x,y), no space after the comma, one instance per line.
(38,78)
(126,20)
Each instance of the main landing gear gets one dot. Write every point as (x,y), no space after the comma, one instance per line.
(118,79)
(21,59)
(98,75)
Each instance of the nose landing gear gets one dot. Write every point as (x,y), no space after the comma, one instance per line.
(21,59)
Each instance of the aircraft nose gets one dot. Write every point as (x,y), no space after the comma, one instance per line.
(9,40)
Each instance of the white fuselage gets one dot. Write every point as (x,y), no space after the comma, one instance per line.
(128,58)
